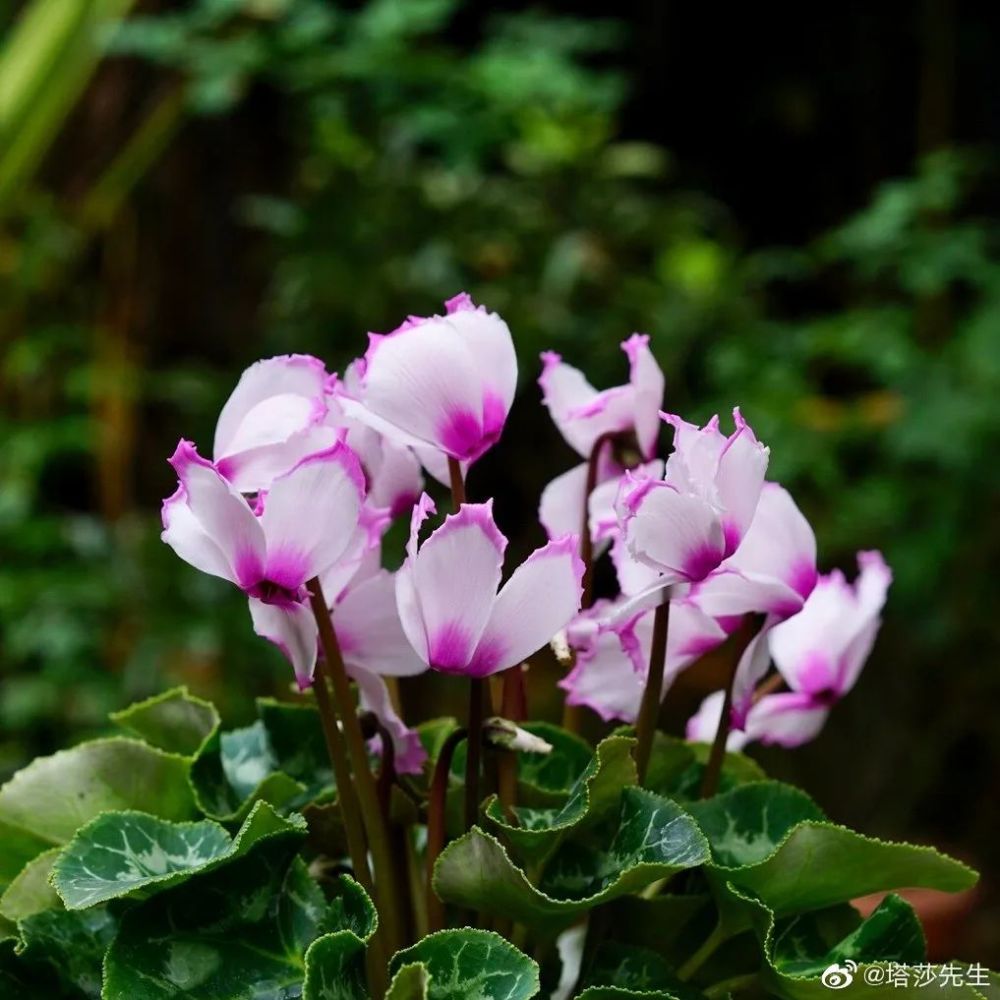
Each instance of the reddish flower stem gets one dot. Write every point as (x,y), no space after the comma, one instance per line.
(649,710)
(436,804)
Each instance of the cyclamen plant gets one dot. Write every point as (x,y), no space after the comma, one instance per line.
(334,850)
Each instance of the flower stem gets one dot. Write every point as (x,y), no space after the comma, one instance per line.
(457,482)
(649,710)
(356,843)
(390,911)
(474,750)
(436,804)
(513,706)
(713,769)
(708,948)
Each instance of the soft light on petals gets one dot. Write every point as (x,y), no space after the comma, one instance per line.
(261,431)
(446,382)
(537,601)
(368,627)
(292,628)
(184,533)
(310,516)
(582,414)
(223,516)
(822,649)
(455,576)
(677,533)
(788,719)
(739,480)
(753,665)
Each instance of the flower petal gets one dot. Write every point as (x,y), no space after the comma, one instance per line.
(677,533)
(541,597)
(311,516)
(447,382)
(704,724)
(292,628)
(788,719)
(370,633)
(454,580)
(648,385)
(753,665)
(223,517)
(740,478)
(408,752)
(274,401)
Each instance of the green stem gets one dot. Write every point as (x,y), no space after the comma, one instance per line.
(436,804)
(731,985)
(390,911)
(704,953)
(649,710)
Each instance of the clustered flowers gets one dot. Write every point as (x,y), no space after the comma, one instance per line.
(310,469)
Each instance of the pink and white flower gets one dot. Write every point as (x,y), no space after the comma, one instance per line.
(819,653)
(772,573)
(444,382)
(684,525)
(612,662)
(447,593)
(305,523)
(583,414)
(272,420)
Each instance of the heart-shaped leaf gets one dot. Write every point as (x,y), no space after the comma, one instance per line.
(175,721)
(335,963)
(465,964)
(640,970)
(129,853)
(237,932)
(770,839)
(280,759)
(654,839)
(595,794)
(53,796)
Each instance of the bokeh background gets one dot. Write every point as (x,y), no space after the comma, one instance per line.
(797,202)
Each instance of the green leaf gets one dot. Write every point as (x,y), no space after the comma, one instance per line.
(30,892)
(175,721)
(120,853)
(621,993)
(747,824)
(73,944)
(17,848)
(820,864)
(770,838)
(130,853)
(654,840)
(411,982)
(334,963)
(239,931)
(471,964)
(891,933)
(799,950)
(53,796)
(641,970)
(281,759)
(672,925)
(235,770)
(595,794)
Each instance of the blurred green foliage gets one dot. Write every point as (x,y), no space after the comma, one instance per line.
(421,154)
